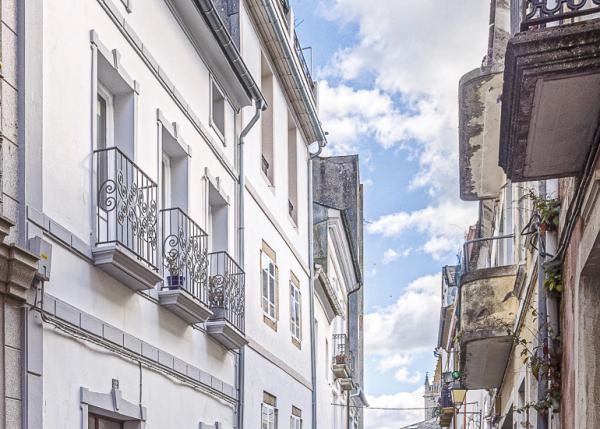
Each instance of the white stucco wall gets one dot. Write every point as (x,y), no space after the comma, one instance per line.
(68,199)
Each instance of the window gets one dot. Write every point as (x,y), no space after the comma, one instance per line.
(292,170)
(266,87)
(217,219)
(99,422)
(104,118)
(268,412)
(96,407)
(174,169)
(217,110)
(295,422)
(268,286)
(295,311)
(166,182)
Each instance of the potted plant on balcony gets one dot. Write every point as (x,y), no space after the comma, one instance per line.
(548,209)
(341,359)
(174,280)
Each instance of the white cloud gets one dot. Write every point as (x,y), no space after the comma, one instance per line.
(403,375)
(394,419)
(393,361)
(408,326)
(444,226)
(390,255)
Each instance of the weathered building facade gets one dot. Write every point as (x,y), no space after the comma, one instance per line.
(338,256)
(527,309)
(156,160)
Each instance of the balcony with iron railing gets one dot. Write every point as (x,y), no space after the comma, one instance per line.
(185,261)
(541,13)
(126,220)
(551,93)
(226,297)
(446,407)
(342,362)
(487,309)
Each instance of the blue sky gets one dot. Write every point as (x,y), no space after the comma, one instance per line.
(388,73)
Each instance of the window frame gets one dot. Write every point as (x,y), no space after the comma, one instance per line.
(295,422)
(273,414)
(109,131)
(268,302)
(213,124)
(295,309)
(166,176)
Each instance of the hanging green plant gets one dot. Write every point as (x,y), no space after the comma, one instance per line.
(553,281)
(548,209)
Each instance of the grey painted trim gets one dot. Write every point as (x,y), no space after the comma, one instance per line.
(110,405)
(167,84)
(265,354)
(115,339)
(261,204)
(216,183)
(58,232)
(30,110)
(173,129)
(114,59)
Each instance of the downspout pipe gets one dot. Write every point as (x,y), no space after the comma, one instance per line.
(348,295)
(542,420)
(241,372)
(311,286)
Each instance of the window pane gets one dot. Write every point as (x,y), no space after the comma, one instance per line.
(101,123)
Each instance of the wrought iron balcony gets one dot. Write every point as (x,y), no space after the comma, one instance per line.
(126,220)
(342,362)
(446,407)
(226,297)
(542,12)
(185,259)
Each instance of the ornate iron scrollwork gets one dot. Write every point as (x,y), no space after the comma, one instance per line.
(226,289)
(136,210)
(543,11)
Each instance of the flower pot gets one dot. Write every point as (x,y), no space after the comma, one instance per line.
(175,282)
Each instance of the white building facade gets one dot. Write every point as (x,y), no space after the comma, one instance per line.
(164,182)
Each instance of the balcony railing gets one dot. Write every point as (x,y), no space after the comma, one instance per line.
(226,289)
(126,206)
(185,254)
(446,398)
(488,252)
(342,361)
(302,59)
(542,12)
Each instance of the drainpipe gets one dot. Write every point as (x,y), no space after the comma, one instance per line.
(542,422)
(352,292)
(311,286)
(259,107)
